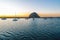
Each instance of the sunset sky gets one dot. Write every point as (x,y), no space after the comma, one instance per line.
(25,7)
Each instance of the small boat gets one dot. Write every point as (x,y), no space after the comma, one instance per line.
(15,19)
(3,18)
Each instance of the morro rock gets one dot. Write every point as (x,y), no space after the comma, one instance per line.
(34,15)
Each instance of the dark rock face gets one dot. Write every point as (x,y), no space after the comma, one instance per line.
(34,15)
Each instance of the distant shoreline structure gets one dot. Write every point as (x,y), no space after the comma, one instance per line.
(32,15)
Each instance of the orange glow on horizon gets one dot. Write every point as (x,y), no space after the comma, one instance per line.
(26,14)
(49,14)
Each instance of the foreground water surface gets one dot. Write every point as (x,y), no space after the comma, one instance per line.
(29,29)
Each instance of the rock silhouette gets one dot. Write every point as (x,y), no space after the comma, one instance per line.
(34,15)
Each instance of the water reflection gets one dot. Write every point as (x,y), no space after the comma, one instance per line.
(37,29)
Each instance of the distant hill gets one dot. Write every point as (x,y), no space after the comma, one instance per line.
(34,15)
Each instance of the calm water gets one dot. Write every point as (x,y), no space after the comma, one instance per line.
(29,29)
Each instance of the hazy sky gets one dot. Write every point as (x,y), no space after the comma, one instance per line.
(45,6)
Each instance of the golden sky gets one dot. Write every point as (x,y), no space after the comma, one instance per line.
(23,8)
(49,14)
(26,14)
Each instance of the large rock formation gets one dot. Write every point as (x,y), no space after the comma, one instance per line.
(34,15)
